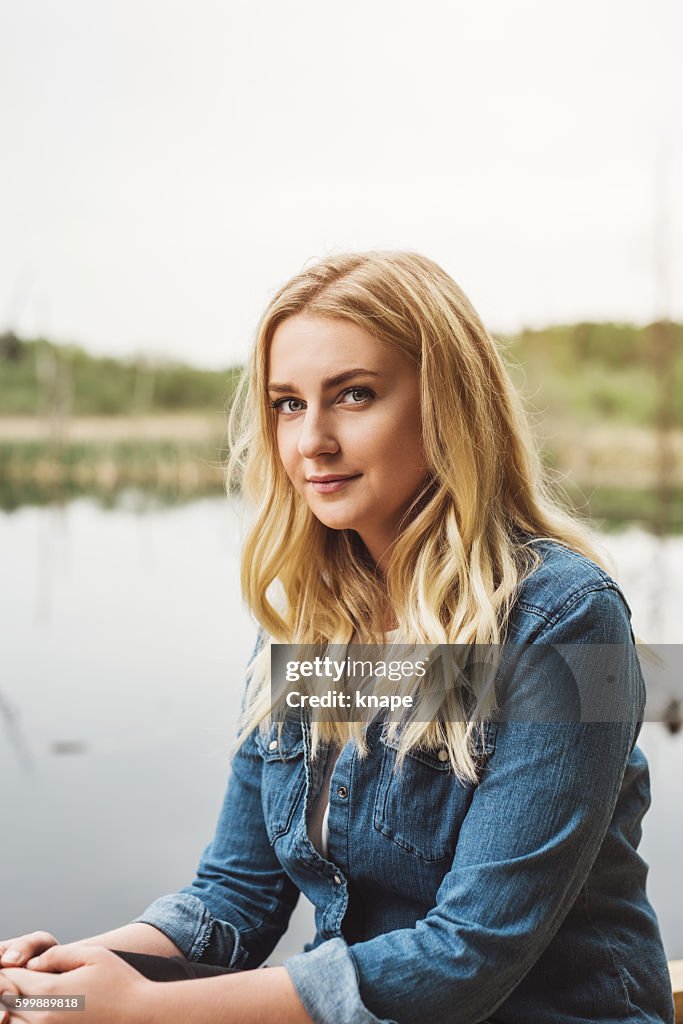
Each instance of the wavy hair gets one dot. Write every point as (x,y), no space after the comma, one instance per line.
(465,544)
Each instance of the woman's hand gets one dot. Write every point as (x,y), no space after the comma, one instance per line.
(115,993)
(15,952)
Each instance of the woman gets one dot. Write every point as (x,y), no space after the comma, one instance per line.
(460,871)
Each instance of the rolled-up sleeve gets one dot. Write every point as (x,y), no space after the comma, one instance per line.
(193,928)
(535,825)
(327,984)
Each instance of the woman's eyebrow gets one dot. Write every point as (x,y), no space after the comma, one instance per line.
(330,382)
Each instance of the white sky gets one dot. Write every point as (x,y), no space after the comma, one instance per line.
(166,164)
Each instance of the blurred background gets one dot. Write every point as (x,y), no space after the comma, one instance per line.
(165,167)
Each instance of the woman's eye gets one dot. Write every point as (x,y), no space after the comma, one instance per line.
(363,392)
(279,405)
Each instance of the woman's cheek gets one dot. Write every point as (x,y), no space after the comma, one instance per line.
(288,455)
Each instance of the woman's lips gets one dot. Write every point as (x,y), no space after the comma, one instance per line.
(328,486)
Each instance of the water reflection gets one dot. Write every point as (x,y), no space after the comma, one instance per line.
(123,646)
(673,716)
(68,747)
(9,714)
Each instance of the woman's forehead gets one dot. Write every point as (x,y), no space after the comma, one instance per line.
(317,347)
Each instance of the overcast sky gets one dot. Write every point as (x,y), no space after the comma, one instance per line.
(165,165)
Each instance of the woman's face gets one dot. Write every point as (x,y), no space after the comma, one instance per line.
(347,407)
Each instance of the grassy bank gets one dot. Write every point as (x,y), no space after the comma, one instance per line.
(609,476)
(36,472)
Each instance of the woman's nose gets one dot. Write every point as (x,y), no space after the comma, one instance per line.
(316,436)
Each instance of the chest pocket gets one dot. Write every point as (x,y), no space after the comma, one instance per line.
(283,778)
(421,806)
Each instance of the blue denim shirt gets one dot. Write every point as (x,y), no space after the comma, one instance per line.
(519,899)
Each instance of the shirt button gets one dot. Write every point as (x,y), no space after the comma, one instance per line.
(343,792)
(272,745)
(337,880)
(442,755)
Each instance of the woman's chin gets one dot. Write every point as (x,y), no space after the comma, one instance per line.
(335,520)
(337,524)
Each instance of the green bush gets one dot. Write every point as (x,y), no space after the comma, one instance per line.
(40,377)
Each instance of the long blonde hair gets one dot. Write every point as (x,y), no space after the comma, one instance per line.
(464,546)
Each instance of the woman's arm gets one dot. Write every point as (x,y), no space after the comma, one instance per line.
(241,900)
(250,997)
(114,993)
(136,938)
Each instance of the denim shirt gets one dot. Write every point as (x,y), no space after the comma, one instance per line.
(517,899)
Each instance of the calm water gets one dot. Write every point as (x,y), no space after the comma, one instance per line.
(123,647)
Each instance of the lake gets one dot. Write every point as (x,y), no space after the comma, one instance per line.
(124,642)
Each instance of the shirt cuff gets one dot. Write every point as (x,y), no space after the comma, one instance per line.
(199,935)
(327,984)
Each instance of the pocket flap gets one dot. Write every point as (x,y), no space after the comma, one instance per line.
(483,745)
(289,746)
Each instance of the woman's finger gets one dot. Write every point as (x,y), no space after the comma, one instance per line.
(6,989)
(15,952)
(58,959)
(17,981)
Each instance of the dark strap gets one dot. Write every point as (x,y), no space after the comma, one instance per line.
(170,968)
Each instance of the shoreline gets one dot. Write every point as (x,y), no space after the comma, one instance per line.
(606,454)
(612,471)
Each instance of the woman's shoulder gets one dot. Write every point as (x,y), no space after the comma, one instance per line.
(565,582)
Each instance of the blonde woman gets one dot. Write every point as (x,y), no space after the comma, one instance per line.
(461,871)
